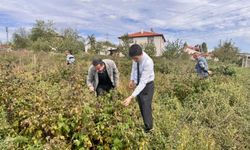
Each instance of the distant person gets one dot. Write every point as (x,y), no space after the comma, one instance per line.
(103,76)
(142,79)
(70,58)
(201,66)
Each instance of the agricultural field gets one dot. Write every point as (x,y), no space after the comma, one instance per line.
(45,104)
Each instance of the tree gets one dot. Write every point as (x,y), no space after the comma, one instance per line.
(43,30)
(43,35)
(226,52)
(92,42)
(20,39)
(149,48)
(71,40)
(204,47)
(185,45)
(173,49)
(124,47)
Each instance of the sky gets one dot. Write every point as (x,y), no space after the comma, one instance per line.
(193,21)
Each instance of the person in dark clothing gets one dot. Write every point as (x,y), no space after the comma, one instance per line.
(102,76)
(201,66)
(142,79)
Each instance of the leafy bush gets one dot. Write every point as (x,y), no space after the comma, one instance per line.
(45,104)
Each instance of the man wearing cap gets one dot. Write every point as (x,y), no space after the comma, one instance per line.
(142,81)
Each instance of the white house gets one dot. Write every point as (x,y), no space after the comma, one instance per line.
(145,37)
(245,59)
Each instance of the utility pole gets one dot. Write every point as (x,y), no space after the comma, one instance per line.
(7,34)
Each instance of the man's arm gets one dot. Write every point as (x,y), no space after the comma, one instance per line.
(90,78)
(143,81)
(116,75)
(145,75)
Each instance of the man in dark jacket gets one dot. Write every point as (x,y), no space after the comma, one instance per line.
(201,66)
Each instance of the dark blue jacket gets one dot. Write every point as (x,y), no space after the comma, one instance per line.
(202,67)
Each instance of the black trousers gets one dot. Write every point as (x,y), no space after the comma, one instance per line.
(145,103)
(102,89)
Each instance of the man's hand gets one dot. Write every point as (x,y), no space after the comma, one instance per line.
(92,89)
(127,101)
(131,84)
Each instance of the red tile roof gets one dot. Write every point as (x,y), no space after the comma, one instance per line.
(194,48)
(146,34)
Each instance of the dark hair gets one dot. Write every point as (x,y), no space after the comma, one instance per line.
(135,50)
(97,61)
(69,51)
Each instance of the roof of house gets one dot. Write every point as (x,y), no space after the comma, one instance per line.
(145,34)
(194,48)
(4,46)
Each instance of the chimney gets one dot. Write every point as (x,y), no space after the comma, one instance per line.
(141,31)
(151,29)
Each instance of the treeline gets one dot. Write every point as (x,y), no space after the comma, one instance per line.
(43,36)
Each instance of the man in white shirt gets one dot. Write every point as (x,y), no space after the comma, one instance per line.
(69,57)
(142,79)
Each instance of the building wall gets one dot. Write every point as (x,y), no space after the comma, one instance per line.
(159,44)
(246,61)
(158,41)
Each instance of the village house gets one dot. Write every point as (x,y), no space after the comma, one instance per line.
(245,59)
(190,50)
(145,37)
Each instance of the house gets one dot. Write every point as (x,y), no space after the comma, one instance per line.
(115,52)
(245,59)
(191,50)
(145,37)
(5,47)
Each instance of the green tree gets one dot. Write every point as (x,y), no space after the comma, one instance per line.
(204,47)
(43,30)
(173,49)
(92,42)
(185,44)
(43,35)
(149,48)
(226,52)
(20,39)
(102,46)
(71,40)
(124,47)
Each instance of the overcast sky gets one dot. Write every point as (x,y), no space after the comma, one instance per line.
(194,21)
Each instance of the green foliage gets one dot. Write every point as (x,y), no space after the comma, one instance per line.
(124,47)
(149,48)
(54,109)
(204,47)
(42,29)
(20,39)
(92,42)
(225,70)
(41,44)
(227,52)
(44,37)
(173,49)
